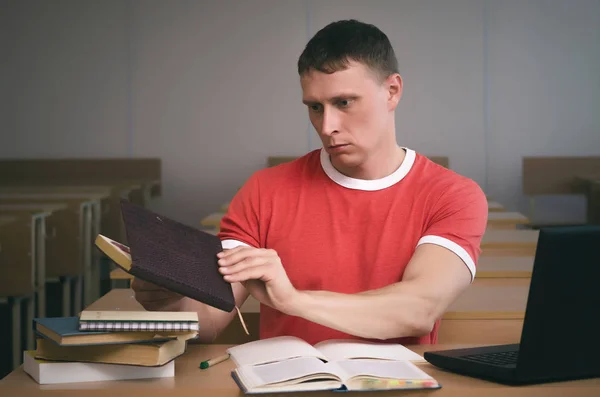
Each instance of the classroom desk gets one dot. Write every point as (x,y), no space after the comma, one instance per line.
(589,185)
(225,207)
(504,267)
(522,242)
(212,221)
(38,212)
(494,206)
(16,237)
(216,381)
(109,194)
(88,213)
(506,220)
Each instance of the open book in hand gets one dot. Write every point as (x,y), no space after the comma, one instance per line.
(290,364)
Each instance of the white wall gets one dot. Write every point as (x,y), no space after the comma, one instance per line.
(67,79)
(543,91)
(211,87)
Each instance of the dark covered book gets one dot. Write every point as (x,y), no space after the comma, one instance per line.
(170,254)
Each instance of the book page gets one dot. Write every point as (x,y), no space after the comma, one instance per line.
(382,369)
(289,371)
(337,350)
(271,350)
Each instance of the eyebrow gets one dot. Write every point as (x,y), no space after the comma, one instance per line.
(334,99)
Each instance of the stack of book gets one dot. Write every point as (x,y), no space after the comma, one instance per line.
(109,345)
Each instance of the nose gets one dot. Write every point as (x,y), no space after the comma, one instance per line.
(330,121)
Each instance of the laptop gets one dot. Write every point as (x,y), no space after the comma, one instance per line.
(560,339)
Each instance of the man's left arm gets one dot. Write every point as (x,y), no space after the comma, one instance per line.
(433,279)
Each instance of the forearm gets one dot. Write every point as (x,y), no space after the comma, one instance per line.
(391,312)
(212,321)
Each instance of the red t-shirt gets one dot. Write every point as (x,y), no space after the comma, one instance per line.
(346,235)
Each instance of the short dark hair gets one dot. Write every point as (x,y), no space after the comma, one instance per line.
(333,47)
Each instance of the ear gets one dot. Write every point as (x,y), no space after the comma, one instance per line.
(394,90)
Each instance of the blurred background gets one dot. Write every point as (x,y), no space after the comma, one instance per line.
(202,93)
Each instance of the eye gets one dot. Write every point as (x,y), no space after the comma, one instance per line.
(315,108)
(344,103)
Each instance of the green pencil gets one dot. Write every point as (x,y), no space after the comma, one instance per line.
(213,361)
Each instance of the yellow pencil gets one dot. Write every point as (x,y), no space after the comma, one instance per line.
(213,361)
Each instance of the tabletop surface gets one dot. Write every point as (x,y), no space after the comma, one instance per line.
(216,381)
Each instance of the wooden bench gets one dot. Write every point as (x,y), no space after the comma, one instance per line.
(504,267)
(17,276)
(71,257)
(212,221)
(494,206)
(556,176)
(498,242)
(137,179)
(487,314)
(38,213)
(506,220)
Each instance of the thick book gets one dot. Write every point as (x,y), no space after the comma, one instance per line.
(136,321)
(284,364)
(64,331)
(143,354)
(170,254)
(47,372)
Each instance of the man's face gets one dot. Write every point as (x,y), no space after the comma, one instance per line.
(352,111)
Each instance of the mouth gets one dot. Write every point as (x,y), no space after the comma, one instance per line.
(333,147)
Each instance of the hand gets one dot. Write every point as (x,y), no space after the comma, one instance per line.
(155,298)
(261,272)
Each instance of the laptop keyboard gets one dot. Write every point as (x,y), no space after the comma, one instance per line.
(498,358)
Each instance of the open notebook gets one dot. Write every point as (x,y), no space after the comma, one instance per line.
(288,363)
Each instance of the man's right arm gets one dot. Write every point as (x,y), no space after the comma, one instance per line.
(212,320)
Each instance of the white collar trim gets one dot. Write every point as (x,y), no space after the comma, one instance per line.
(368,184)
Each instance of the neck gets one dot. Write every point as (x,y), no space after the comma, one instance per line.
(379,164)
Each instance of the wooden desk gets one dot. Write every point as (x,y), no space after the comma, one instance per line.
(77,234)
(17,276)
(509,242)
(506,220)
(504,267)
(108,212)
(589,185)
(213,220)
(494,206)
(38,213)
(190,381)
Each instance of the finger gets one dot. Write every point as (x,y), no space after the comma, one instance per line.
(252,273)
(241,255)
(230,251)
(250,261)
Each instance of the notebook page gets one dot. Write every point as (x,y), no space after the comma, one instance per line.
(255,376)
(336,350)
(271,349)
(382,369)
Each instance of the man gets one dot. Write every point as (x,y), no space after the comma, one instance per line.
(361,239)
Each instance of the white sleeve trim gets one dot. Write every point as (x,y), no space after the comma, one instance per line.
(452,246)
(229,244)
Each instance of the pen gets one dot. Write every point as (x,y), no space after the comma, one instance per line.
(213,361)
